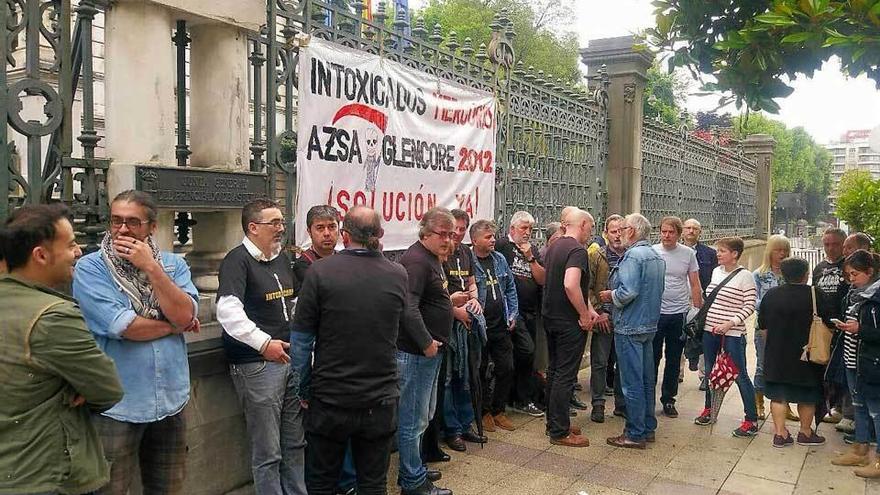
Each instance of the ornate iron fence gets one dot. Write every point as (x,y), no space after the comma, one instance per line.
(44,64)
(552,140)
(690,178)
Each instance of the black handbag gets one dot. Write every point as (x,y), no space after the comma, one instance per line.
(694,328)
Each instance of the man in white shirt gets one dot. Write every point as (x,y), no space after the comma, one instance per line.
(254,304)
(682,289)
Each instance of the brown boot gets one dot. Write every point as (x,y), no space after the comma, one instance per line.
(870,471)
(857,456)
(759,401)
(503,422)
(571,440)
(488,422)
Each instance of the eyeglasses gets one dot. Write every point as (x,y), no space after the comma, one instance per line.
(277,223)
(444,235)
(131,223)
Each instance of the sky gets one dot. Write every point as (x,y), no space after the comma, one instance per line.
(826,106)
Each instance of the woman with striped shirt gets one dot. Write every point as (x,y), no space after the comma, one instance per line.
(725,325)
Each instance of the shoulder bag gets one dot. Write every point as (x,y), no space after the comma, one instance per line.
(695,327)
(818,348)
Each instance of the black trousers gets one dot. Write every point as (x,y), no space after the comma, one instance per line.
(670,330)
(329,429)
(524,335)
(565,348)
(499,348)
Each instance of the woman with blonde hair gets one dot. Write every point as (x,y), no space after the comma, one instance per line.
(768,276)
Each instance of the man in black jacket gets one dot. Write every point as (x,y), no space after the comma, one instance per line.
(354,300)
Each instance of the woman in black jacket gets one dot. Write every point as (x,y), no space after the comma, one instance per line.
(786,312)
(863,321)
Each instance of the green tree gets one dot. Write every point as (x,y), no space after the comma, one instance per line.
(541,41)
(665,95)
(858,202)
(799,163)
(749,47)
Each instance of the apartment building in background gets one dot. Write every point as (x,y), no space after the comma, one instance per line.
(853,152)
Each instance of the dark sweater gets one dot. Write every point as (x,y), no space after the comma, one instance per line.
(429,312)
(787,312)
(353,303)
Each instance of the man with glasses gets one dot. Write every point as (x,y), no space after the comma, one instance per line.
(427,326)
(254,304)
(138,301)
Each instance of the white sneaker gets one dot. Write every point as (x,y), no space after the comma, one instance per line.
(846,426)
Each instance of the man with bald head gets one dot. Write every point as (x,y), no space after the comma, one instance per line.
(707,259)
(353,300)
(854,242)
(568,316)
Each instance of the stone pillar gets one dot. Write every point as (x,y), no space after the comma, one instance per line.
(138,89)
(760,148)
(627,69)
(219,119)
(219,97)
(138,95)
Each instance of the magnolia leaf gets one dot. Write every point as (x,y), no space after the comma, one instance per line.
(798,37)
(776,19)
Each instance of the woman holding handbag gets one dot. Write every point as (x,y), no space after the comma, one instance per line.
(786,312)
(725,325)
(767,276)
(862,327)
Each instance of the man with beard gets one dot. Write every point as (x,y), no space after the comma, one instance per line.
(53,372)
(568,317)
(428,324)
(636,292)
(524,260)
(254,304)
(138,302)
(353,300)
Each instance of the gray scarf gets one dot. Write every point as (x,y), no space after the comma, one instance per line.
(133,282)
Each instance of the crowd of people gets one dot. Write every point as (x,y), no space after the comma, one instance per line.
(339,357)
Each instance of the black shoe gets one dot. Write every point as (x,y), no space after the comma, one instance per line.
(433,475)
(577,403)
(438,456)
(472,437)
(578,387)
(598,414)
(572,412)
(426,488)
(669,410)
(456,443)
(693,364)
(620,412)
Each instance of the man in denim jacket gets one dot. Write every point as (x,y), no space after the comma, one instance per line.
(637,289)
(497,294)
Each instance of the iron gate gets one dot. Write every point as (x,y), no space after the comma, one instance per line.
(552,140)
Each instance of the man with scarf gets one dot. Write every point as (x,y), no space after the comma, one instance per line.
(138,301)
(464,343)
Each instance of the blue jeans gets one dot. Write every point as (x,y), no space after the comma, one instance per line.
(860,409)
(418,398)
(458,411)
(736,346)
(635,362)
(760,337)
(269,396)
(348,477)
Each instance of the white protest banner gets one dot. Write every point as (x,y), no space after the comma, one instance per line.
(373,132)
